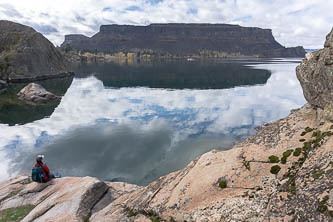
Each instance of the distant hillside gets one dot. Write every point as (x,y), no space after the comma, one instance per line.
(27,55)
(168,40)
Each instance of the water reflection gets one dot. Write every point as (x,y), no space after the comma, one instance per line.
(139,134)
(14,111)
(176,74)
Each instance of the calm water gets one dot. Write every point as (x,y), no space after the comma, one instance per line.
(137,122)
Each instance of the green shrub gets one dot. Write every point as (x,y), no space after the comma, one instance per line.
(308,129)
(302,140)
(273,159)
(287,153)
(297,151)
(315,134)
(284,160)
(223,184)
(275,169)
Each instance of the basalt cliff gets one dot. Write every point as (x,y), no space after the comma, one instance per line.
(282,173)
(182,40)
(26,55)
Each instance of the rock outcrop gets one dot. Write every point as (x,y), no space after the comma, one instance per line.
(36,93)
(65,199)
(27,55)
(316,77)
(177,40)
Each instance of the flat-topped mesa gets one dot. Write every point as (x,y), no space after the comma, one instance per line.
(316,77)
(27,55)
(75,37)
(179,39)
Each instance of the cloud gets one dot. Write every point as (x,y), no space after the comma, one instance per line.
(9,11)
(85,16)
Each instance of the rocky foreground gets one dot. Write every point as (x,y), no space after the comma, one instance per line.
(283,173)
(233,185)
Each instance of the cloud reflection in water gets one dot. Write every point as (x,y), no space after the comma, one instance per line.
(139,134)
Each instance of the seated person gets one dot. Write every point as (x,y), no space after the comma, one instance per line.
(40,171)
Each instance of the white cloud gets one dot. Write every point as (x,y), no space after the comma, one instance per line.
(294,22)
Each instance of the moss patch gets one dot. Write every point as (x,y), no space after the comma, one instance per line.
(275,169)
(15,214)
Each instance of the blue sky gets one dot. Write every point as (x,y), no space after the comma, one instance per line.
(294,22)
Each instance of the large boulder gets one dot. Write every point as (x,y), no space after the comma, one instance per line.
(27,55)
(316,77)
(36,93)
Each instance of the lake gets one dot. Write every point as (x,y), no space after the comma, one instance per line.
(137,122)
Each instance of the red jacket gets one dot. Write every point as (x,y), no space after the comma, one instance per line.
(45,171)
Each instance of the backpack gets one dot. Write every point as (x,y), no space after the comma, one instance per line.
(36,174)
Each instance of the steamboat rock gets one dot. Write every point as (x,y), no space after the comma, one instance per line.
(217,40)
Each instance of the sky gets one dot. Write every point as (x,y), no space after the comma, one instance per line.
(293,22)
